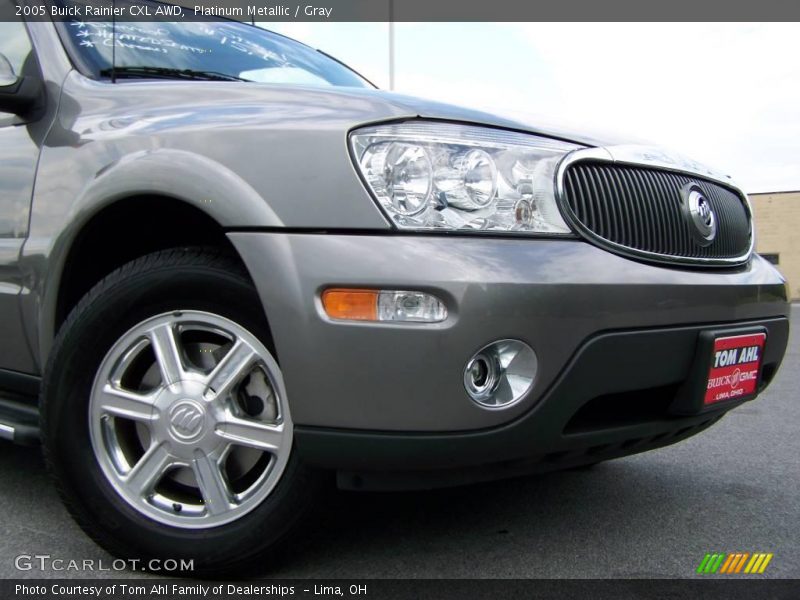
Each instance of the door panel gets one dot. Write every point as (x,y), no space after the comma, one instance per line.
(14,351)
(18,155)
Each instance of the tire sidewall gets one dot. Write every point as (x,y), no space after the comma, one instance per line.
(94,327)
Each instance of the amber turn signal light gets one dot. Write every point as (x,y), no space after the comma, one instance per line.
(383,305)
(351,305)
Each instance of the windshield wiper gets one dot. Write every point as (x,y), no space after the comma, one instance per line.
(169,73)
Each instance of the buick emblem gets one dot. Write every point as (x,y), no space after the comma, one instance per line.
(186,420)
(700,214)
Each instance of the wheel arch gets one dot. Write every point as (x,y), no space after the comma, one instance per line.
(122,232)
(195,199)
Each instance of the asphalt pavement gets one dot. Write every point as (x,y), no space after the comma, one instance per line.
(732,488)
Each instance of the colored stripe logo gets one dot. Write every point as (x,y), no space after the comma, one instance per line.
(734,563)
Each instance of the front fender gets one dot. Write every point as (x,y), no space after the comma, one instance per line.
(197,180)
(192,178)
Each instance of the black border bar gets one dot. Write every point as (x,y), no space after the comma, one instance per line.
(424,10)
(706,587)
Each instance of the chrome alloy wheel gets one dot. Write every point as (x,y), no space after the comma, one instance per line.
(189,420)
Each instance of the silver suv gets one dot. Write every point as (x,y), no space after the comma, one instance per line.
(229,265)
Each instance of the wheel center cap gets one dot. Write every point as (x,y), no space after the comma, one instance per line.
(187,420)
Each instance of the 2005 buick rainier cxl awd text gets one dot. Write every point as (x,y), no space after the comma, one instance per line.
(230,266)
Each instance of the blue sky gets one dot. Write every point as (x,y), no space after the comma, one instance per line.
(727,94)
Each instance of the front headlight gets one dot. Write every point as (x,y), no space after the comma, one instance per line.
(428,175)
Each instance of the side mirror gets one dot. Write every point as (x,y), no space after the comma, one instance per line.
(18,95)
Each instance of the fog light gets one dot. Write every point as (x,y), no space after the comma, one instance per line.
(480,376)
(383,305)
(500,374)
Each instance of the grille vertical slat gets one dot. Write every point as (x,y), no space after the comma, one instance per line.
(626,208)
(610,198)
(649,222)
(641,208)
(661,221)
(678,223)
(602,215)
(580,204)
(583,185)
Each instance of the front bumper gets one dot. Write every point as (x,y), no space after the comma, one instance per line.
(569,300)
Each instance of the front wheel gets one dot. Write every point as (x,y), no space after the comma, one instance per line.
(165,419)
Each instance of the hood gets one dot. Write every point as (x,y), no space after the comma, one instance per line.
(147,106)
(614,147)
(431,109)
(356,106)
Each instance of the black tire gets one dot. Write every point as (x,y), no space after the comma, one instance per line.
(193,279)
(585,467)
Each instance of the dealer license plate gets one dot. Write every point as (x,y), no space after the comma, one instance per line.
(735,367)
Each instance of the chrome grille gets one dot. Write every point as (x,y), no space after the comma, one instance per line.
(638,210)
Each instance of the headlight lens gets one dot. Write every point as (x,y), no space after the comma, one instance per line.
(429,175)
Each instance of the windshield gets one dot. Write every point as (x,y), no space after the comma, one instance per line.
(225,48)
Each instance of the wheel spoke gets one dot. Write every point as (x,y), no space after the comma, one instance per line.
(252,434)
(212,484)
(235,365)
(165,346)
(125,404)
(149,470)
(189,423)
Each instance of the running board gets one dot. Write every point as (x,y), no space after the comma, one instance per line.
(19,421)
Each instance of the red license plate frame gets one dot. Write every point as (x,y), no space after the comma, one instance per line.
(702,392)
